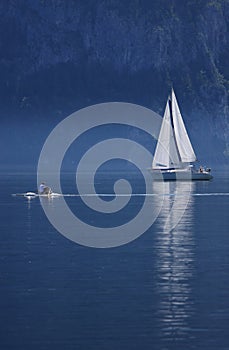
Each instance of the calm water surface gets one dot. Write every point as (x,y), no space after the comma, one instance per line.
(167,290)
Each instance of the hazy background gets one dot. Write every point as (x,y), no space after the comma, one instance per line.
(59,56)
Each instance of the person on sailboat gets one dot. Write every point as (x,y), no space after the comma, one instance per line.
(43,189)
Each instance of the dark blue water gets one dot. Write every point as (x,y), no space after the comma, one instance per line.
(167,290)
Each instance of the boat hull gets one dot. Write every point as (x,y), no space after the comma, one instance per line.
(180,175)
(34,195)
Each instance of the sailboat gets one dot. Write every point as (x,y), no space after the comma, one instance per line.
(174,153)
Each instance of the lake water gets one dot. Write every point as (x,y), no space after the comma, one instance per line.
(166,290)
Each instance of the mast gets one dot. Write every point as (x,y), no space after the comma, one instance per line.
(172,125)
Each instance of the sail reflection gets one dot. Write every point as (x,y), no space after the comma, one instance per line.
(175,259)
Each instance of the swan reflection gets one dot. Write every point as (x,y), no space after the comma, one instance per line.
(174,245)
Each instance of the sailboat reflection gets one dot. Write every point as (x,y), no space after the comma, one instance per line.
(175,259)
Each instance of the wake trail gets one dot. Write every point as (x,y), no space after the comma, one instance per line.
(56,195)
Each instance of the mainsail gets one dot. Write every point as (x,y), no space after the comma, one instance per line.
(174,147)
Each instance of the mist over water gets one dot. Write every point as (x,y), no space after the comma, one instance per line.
(22,140)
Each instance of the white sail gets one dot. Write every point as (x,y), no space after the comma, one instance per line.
(183,143)
(174,149)
(166,154)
